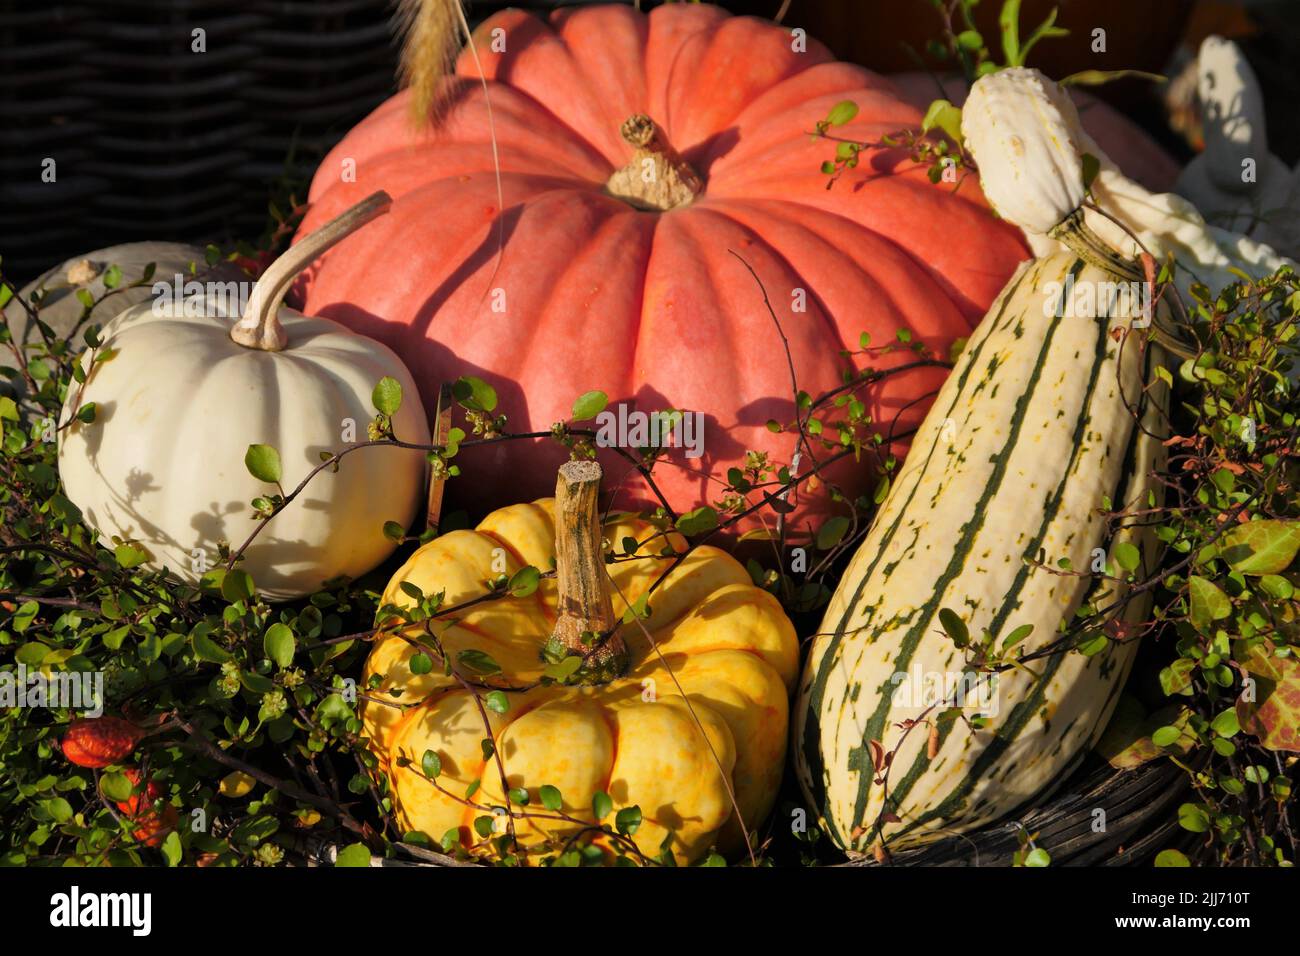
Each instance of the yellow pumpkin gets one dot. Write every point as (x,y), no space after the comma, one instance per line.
(692,732)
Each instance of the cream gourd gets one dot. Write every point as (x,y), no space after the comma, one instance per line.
(184,395)
(1023,131)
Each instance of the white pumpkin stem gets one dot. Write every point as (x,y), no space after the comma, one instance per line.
(260,327)
(586,625)
(656,177)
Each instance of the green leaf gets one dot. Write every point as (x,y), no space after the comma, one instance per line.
(1038,857)
(278,643)
(560,671)
(1261,547)
(944,116)
(589,405)
(638,610)
(478,662)
(551,798)
(394,531)
(387,396)
(628,820)
(59,809)
(1166,736)
(841,113)
(116,786)
(1091,646)
(1016,636)
(171,849)
(474,394)
(86,413)
(1193,818)
(263,463)
(698,521)
(31,654)
(1208,603)
(1127,556)
(257,683)
(1225,724)
(354,855)
(128,556)
(524,581)
(1171,858)
(431,764)
(832,532)
(8,408)
(24,616)
(1276,587)
(237,585)
(601,805)
(954,626)
(420,663)
(207,649)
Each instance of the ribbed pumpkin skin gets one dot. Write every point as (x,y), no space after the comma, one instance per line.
(1023,442)
(651,307)
(731,650)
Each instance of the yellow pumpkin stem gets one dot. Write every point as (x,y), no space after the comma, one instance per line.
(656,177)
(260,327)
(586,626)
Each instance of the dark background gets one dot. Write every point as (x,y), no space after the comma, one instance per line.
(152,141)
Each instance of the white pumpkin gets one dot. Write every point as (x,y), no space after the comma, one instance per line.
(179,403)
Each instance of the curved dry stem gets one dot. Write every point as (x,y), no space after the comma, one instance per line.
(260,327)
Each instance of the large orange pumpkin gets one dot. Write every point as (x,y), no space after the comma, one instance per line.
(649,305)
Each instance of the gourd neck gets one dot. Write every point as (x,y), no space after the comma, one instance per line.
(585,626)
(656,178)
(1079,238)
(260,326)
(1075,233)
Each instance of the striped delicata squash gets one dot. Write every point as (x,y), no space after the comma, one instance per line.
(1053,417)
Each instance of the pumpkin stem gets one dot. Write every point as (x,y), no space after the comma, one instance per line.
(586,626)
(260,326)
(656,177)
